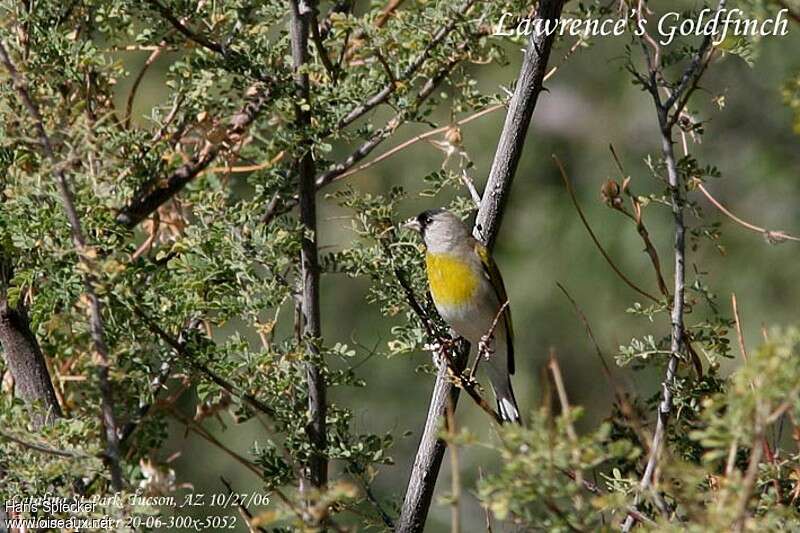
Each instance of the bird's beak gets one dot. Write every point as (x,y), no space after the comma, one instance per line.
(412,224)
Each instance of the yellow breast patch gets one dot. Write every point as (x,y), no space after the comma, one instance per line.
(452,280)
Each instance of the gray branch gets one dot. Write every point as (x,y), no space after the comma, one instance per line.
(487,226)
(317,474)
(686,86)
(23,355)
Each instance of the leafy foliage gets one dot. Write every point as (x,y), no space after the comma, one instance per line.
(200,299)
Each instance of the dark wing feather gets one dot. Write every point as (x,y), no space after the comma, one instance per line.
(492,273)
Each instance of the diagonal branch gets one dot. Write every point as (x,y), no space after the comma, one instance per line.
(425,470)
(588,227)
(155,192)
(84,256)
(41,448)
(382,95)
(200,39)
(191,360)
(344,169)
(384,133)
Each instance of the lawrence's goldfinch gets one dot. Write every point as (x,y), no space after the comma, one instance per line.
(468,292)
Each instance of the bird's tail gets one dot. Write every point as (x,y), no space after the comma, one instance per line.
(506,403)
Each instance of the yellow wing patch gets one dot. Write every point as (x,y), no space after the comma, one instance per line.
(452,281)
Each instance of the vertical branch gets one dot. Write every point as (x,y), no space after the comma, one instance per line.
(84,256)
(677,339)
(317,474)
(428,460)
(23,355)
(675,103)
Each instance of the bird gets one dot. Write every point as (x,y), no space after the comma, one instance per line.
(468,292)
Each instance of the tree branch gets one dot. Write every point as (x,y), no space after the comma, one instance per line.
(431,448)
(343,169)
(317,474)
(182,28)
(84,256)
(382,95)
(512,139)
(677,335)
(23,355)
(180,348)
(68,454)
(384,133)
(155,192)
(588,227)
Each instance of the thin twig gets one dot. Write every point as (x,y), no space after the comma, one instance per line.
(638,219)
(391,126)
(246,514)
(599,246)
(738,323)
(182,28)
(428,134)
(387,520)
(69,454)
(138,80)
(383,94)
(320,46)
(278,208)
(558,380)
(202,432)
(417,138)
(484,346)
(192,361)
(455,472)
(770,235)
(339,171)
(751,474)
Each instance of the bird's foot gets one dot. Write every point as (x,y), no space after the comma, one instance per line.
(485,349)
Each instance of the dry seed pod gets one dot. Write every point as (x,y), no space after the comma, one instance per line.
(610,193)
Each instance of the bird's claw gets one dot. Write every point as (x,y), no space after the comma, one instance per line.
(484,347)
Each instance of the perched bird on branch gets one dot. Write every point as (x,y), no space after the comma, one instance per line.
(469,294)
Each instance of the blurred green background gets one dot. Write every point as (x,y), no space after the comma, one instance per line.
(590,103)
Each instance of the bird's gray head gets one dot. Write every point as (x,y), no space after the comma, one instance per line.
(441,230)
